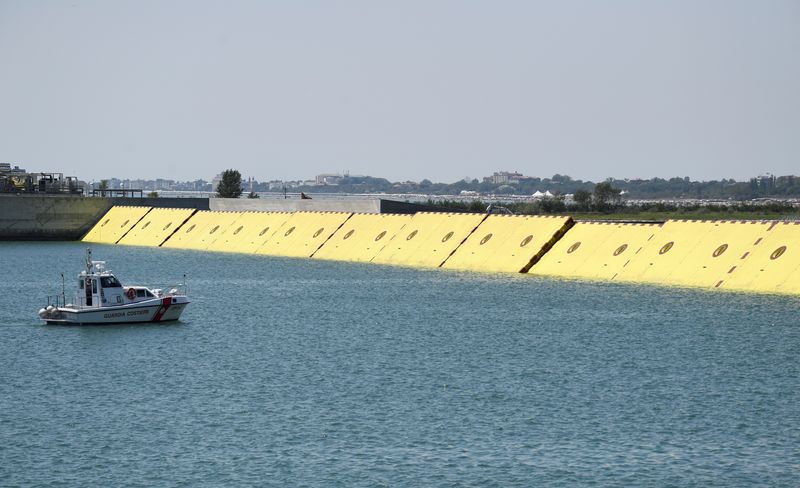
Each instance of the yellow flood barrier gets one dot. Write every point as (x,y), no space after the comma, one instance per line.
(114,224)
(692,253)
(203,228)
(249,232)
(594,250)
(362,236)
(675,242)
(718,253)
(428,239)
(508,243)
(772,265)
(303,233)
(156,226)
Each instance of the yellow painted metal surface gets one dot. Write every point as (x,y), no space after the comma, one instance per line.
(595,250)
(249,232)
(156,226)
(362,236)
(663,255)
(508,243)
(114,224)
(203,228)
(718,254)
(303,233)
(428,239)
(772,264)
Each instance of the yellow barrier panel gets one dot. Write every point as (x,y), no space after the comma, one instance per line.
(594,250)
(362,237)
(428,239)
(203,228)
(249,232)
(156,226)
(772,264)
(508,243)
(303,233)
(114,224)
(675,242)
(716,254)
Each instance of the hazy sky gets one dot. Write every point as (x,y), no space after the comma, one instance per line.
(404,90)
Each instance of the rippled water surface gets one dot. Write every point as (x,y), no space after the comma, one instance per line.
(305,373)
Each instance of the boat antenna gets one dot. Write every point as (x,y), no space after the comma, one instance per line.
(185,286)
(63,291)
(89,260)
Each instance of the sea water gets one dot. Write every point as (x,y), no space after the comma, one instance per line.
(298,372)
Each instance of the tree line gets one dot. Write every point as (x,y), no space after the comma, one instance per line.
(585,193)
(654,188)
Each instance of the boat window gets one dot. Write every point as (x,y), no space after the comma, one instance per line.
(109,282)
(140,293)
(94,286)
(148,293)
(80,284)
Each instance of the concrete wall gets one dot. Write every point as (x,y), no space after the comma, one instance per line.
(162,202)
(65,217)
(35,217)
(375,205)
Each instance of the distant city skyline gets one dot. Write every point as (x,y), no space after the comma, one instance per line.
(406,91)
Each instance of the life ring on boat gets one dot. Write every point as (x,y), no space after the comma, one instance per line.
(130,293)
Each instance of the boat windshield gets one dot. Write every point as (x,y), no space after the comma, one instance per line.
(109,282)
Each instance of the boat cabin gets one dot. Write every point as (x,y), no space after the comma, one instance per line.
(100,288)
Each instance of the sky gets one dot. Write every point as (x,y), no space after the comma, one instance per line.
(404,90)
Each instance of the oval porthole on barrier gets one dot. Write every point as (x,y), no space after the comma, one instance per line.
(213,230)
(349,233)
(620,249)
(574,247)
(238,230)
(718,251)
(486,239)
(447,236)
(318,232)
(666,247)
(191,228)
(777,253)
(123,224)
(107,221)
(291,229)
(411,236)
(263,231)
(380,236)
(526,241)
(146,224)
(167,226)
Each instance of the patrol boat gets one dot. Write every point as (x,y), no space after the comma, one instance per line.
(102,299)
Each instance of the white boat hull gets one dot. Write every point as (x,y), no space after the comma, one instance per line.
(163,309)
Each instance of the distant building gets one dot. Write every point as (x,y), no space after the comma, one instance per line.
(6,169)
(215,182)
(328,179)
(506,178)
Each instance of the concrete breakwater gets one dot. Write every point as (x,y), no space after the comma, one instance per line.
(67,217)
(757,256)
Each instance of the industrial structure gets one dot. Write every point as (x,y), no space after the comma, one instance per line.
(17,180)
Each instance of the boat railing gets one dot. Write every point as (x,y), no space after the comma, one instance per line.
(179,288)
(56,300)
(61,301)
